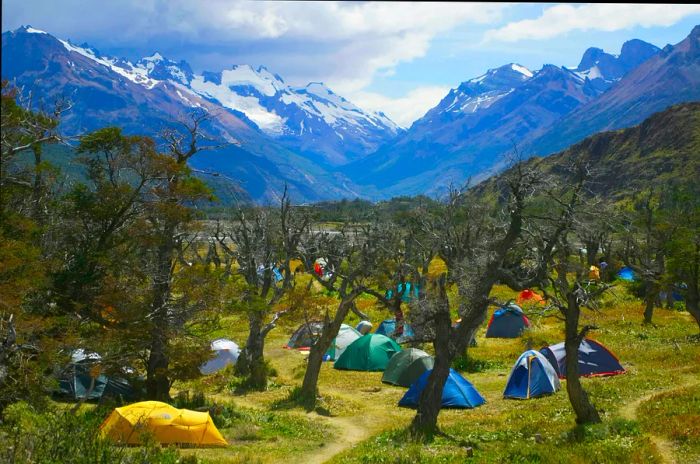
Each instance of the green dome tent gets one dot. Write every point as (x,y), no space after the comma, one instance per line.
(406,367)
(371,352)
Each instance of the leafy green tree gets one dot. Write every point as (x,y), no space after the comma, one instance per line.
(682,215)
(28,332)
(169,217)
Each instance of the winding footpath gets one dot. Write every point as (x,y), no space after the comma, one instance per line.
(664,447)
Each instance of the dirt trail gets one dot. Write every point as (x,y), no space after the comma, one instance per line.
(663,446)
(349,432)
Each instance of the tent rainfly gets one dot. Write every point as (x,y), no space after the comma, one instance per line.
(507,322)
(407,366)
(531,376)
(594,359)
(370,352)
(458,392)
(227,352)
(167,424)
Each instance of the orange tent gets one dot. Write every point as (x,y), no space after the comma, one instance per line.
(528,296)
(166,423)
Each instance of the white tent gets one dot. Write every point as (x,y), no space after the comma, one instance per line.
(364,327)
(227,353)
(346,335)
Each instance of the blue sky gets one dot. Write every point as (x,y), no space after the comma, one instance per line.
(400,58)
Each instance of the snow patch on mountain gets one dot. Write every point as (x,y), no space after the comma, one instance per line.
(590,73)
(521,69)
(124,68)
(242,75)
(31,30)
(249,105)
(472,104)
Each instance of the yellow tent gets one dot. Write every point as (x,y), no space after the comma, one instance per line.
(166,423)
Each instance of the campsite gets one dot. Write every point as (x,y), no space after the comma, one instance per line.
(349,232)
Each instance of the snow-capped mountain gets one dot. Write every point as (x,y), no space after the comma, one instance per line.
(604,69)
(312,119)
(669,77)
(477,94)
(471,130)
(324,147)
(145,96)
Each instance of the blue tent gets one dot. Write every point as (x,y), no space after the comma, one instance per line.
(594,359)
(532,376)
(507,322)
(458,392)
(626,274)
(388,327)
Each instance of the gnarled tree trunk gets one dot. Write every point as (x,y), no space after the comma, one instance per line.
(251,362)
(649,300)
(309,387)
(157,381)
(585,412)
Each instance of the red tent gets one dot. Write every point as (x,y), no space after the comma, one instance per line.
(528,296)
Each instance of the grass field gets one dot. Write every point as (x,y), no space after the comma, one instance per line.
(650,414)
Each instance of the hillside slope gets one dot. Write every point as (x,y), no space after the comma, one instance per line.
(664,149)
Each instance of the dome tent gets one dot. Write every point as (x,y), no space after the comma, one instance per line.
(167,424)
(594,359)
(531,376)
(346,335)
(507,322)
(364,327)
(406,367)
(457,393)
(528,296)
(626,274)
(227,352)
(371,352)
(388,327)
(305,336)
(83,379)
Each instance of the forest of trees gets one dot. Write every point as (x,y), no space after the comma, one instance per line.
(125,261)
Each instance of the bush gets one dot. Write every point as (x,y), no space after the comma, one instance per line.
(50,437)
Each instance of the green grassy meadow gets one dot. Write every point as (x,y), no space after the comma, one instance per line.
(650,414)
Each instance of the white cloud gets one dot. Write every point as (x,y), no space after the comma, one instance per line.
(403,110)
(561,19)
(368,38)
(344,44)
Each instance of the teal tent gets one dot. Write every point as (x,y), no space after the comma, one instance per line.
(370,352)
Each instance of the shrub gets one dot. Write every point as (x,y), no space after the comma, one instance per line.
(49,437)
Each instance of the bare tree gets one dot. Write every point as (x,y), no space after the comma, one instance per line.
(263,242)
(481,246)
(351,258)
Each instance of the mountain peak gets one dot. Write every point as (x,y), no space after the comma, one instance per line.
(695,33)
(29,30)
(155,57)
(636,51)
(521,69)
(590,58)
